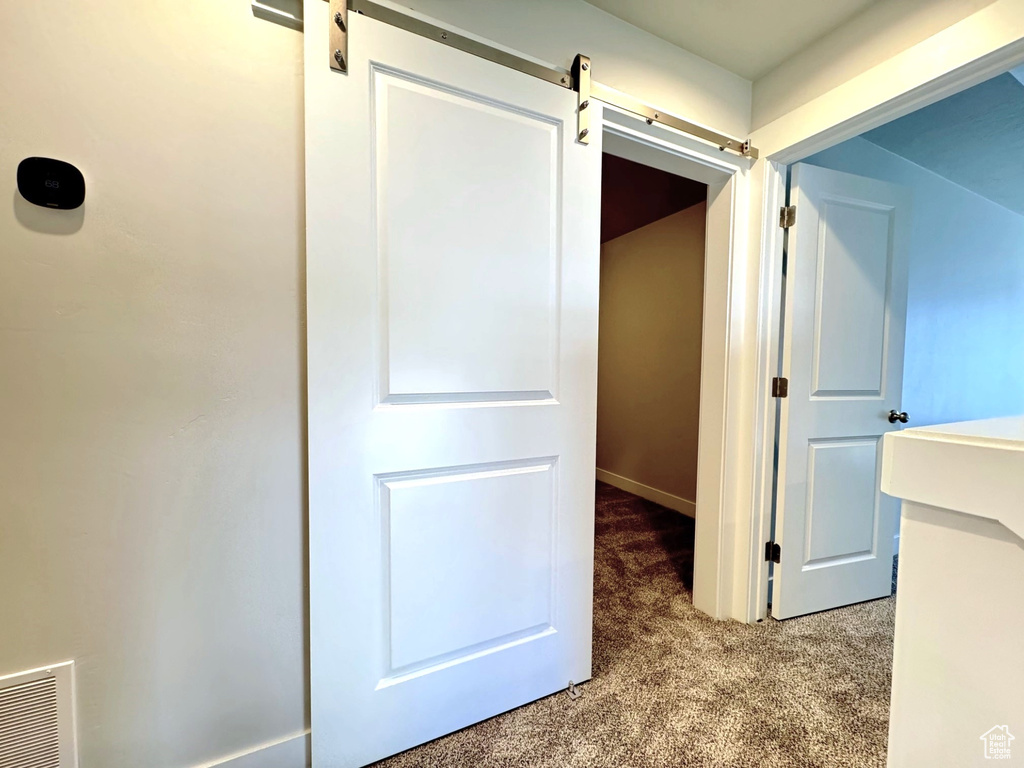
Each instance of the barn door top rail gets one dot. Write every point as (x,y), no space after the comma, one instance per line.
(289,13)
(634,106)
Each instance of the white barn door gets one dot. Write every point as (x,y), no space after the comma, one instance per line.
(452,248)
(846,306)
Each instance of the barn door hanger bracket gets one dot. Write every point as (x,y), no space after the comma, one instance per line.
(581,83)
(588,91)
(339,35)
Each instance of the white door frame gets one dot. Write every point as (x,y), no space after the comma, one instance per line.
(769,177)
(726,176)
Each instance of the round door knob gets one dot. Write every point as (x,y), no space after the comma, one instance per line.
(895,416)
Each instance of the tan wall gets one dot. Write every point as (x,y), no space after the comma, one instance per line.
(152,517)
(648,391)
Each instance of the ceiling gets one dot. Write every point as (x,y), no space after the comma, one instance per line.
(974,138)
(635,195)
(748,37)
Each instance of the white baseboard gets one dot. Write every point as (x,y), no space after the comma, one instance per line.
(678,503)
(289,752)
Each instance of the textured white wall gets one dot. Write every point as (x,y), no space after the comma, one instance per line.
(152,522)
(965,328)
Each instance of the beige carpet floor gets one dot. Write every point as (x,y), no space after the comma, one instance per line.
(674,688)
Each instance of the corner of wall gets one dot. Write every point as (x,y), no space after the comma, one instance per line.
(290,752)
(870,38)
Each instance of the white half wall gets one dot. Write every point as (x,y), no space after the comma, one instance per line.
(965,329)
(152,457)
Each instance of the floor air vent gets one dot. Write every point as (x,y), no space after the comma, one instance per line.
(36,719)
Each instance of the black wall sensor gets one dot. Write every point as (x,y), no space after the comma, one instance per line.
(51,183)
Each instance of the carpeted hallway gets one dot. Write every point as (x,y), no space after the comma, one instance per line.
(674,688)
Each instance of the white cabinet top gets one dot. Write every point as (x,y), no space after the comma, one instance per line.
(991,431)
(973,467)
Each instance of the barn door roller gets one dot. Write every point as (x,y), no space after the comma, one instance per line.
(578,80)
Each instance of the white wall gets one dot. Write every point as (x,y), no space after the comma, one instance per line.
(859,94)
(152,519)
(152,403)
(965,327)
(648,383)
(624,57)
(881,31)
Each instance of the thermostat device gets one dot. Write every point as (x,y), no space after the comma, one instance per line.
(51,183)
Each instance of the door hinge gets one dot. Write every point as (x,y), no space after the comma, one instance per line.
(772,552)
(787,216)
(780,387)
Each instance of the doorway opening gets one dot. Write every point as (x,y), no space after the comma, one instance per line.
(901,279)
(653,245)
(653,226)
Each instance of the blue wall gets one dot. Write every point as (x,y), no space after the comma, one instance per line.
(974,138)
(965,312)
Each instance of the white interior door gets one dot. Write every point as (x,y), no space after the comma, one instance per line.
(846,305)
(452,277)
